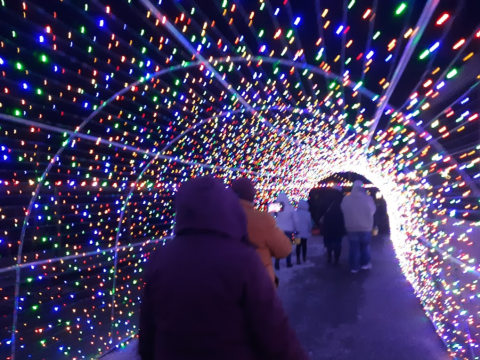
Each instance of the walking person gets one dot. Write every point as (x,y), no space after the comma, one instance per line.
(303,226)
(333,227)
(207,294)
(358,210)
(286,223)
(263,232)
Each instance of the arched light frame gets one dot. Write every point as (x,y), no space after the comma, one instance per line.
(159,155)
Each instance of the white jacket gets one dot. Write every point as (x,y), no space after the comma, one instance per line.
(285,218)
(303,220)
(358,209)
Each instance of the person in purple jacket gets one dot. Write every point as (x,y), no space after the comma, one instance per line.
(207,293)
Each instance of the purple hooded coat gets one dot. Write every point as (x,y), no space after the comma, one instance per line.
(207,294)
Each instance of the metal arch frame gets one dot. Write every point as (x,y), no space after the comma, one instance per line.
(146,3)
(40,185)
(172,142)
(422,23)
(132,189)
(285,62)
(78,129)
(171,28)
(77,133)
(73,134)
(180,136)
(266,130)
(117,144)
(416,127)
(183,134)
(151,162)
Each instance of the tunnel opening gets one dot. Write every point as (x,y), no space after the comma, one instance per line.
(322,195)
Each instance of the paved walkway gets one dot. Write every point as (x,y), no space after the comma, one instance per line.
(341,316)
(370,315)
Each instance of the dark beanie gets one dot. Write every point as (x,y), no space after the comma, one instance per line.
(205,204)
(244,188)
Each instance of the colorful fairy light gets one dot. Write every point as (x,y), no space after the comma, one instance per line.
(104,116)
(443,18)
(401,8)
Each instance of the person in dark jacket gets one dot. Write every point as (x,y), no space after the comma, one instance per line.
(207,294)
(333,227)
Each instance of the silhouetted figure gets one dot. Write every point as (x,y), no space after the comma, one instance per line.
(263,232)
(207,294)
(303,228)
(358,210)
(285,222)
(333,227)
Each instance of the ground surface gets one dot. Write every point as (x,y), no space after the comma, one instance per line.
(341,316)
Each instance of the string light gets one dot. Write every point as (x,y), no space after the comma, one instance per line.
(442,19)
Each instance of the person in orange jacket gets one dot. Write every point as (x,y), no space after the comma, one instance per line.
(263,232)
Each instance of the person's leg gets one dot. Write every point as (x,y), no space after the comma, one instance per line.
(365,250)
(329,246)
(289,260)
(337,250)
(277,264)
(325,245)
(354,242)
(304,249)
(299,247)
(290,235)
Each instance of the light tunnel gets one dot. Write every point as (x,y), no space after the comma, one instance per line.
(106,107)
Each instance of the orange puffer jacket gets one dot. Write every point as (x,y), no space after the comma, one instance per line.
(269,240)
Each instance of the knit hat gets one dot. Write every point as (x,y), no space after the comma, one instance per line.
(204,204)
(244,188)
(358,183)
